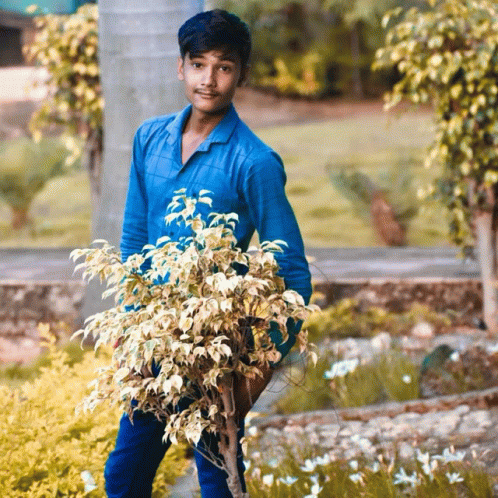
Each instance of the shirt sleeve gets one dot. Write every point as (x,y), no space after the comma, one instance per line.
(274,219)
(134,234)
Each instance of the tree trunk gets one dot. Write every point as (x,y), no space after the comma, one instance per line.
(20,217)
(486,242)
(229,441)
(138,53)
(92,157)
(356,56)
(391,232)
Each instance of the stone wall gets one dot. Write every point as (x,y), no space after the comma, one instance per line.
(464,297)
(24,304)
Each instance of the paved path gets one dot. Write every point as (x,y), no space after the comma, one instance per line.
(326,263)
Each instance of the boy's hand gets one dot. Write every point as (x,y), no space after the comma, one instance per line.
(246,391)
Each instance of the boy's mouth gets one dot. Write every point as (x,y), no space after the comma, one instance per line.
(208,95)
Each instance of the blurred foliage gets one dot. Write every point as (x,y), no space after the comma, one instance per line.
(14,374)
(66,46)
(284,472)
(448,57)
(46,446)
(396,183)
(348,318)
(25,169)
(315,48)
(396,196)
(389,376)
(59,215)
(469,370)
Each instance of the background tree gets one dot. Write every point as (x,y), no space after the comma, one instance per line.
(138,50)
(25,169)
(316,48)
(448,56)
(363,21)
(66,46)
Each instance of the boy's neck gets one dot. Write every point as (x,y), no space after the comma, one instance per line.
(202,124)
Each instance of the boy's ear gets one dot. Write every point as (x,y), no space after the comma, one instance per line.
(180,69)
(244,74)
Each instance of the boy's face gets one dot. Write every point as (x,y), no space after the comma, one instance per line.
(211,79)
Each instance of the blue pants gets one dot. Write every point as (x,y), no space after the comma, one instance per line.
(131,467)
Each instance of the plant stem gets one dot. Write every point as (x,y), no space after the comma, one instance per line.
(228,441)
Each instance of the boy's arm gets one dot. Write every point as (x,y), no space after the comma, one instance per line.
(273,218)
(134,234)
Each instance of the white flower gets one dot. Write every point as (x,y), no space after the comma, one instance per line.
(492,348)
(354,464)
(375,467)
(407,379)
(309,465)
(268,479)
(342,368)
(273,463)
(89,481)
(252,431)
(315,489)
(423,458)
(247,464)
(382,341)
(454,477)
(455,356)
(289,480)
(449,456)
(403,478)
(256,473)
(428,467)
(356,478)
(324,460)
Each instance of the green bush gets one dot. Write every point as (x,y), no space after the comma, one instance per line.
(390,376)
(25,169)
(67,47)
(45,446)
(348,319)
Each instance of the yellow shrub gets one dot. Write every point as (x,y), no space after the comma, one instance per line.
(45,446)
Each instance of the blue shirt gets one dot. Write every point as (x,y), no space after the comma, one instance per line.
(244,175)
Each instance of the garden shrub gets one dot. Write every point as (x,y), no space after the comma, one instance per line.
(390,376)
(347,318)
(473,369)
(25,169)
(45,446)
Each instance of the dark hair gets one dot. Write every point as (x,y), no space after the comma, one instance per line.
(215,29)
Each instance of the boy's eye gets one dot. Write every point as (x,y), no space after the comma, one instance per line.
(196,64)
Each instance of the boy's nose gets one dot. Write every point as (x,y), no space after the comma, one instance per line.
(209,79)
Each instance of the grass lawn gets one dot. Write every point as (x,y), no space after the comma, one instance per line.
(381,146)
(376,144)
(60,215)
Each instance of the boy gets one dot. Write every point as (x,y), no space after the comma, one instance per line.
(204,146)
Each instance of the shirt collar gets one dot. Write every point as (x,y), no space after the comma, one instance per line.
(221,133)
